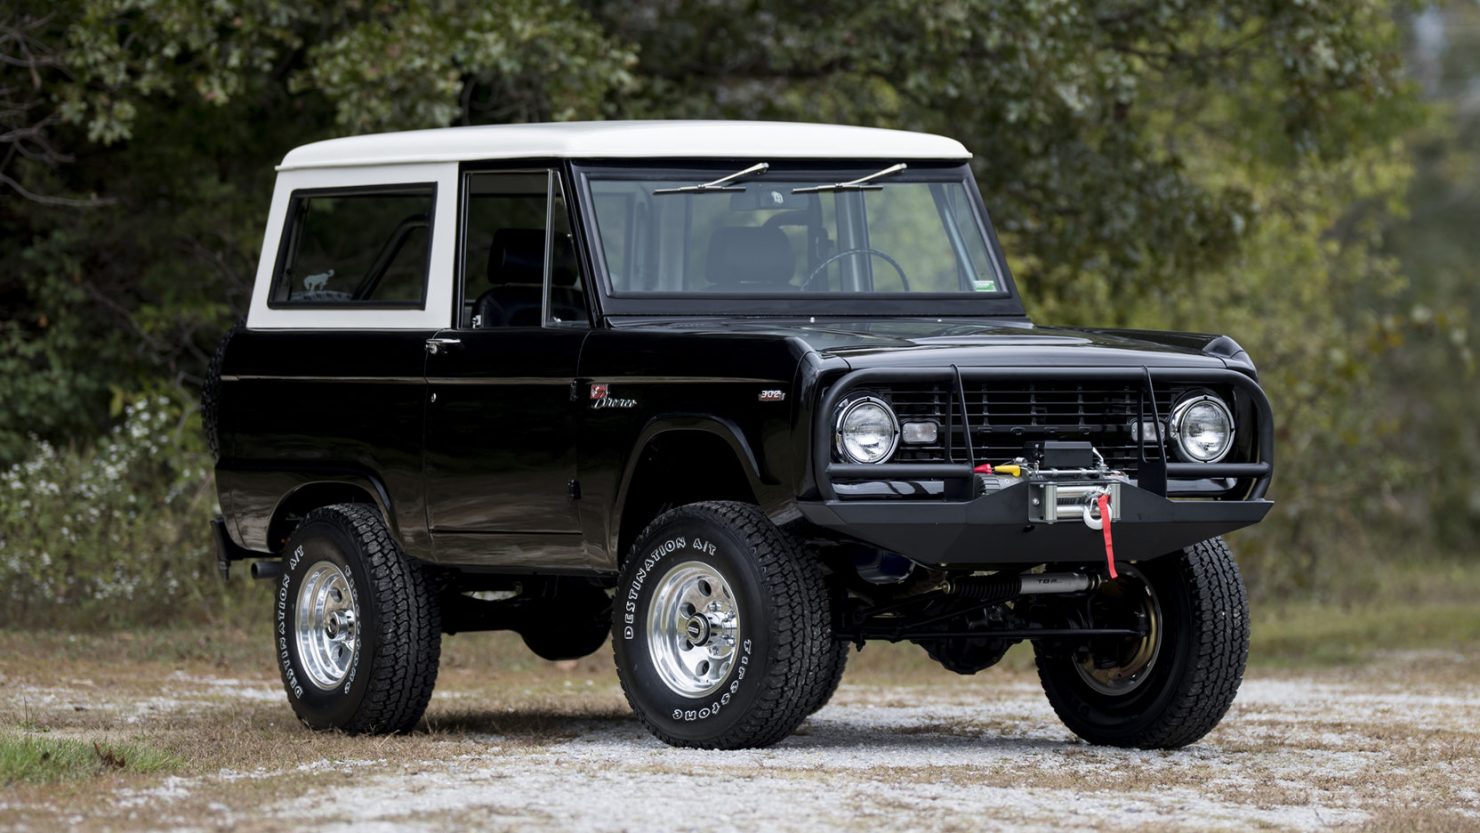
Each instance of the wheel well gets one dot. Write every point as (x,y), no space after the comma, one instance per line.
(291,509)
(675,468)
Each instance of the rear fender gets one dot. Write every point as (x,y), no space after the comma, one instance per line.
(262,501)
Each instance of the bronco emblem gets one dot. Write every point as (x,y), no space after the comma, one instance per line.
(601,398)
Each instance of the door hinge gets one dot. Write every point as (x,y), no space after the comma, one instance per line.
(573,488)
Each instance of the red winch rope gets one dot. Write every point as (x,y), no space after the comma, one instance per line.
(1109,542)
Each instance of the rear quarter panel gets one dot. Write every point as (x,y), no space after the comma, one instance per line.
(300,405)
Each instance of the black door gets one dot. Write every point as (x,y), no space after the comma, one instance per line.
(501,423)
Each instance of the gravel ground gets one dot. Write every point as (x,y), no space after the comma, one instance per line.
(554,749)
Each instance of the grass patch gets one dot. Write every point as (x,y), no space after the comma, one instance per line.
(1414,607)
(31,759)
(1332,635)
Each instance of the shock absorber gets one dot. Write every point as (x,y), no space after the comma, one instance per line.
(1003,587)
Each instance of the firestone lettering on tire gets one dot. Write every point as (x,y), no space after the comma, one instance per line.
(690,715)
(285,657)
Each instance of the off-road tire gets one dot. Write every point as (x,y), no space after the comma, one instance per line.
(785,629)
(834,663)
(1205,615)
(210,392)
(394,669)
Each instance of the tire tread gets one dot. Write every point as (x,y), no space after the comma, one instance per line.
(1220,653)
(798,676)
(403,671)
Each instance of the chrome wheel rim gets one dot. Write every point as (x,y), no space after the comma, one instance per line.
(327,625)
(693,626)
(1132,659)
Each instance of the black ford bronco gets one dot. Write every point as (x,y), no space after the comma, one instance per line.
(739,396)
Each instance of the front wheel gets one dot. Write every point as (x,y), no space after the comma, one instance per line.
(1171,686)
(358,631)
(721,628)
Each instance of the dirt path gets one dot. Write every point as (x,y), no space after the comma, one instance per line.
(554,749)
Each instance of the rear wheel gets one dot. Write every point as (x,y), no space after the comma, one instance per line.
(721,628)
(358,631)
(1169,687)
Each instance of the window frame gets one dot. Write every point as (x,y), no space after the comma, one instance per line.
(285,248)
(1004,302)
(555,176)
(432,317)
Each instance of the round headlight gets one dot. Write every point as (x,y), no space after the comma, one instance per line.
(1203,427)
(867,431)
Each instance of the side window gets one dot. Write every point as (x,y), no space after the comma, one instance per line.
(360,247)
(508,229)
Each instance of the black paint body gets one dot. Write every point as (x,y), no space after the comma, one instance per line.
(495,453)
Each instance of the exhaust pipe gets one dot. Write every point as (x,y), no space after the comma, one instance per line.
(265,570)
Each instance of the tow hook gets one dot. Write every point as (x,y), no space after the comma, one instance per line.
(1095,512)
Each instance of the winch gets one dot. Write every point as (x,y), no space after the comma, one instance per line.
(1067,481)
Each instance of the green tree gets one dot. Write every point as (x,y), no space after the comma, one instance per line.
(140,140)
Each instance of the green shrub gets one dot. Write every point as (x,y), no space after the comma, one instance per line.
(115,532)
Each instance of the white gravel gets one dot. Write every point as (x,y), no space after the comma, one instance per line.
(866,762)
(982,754)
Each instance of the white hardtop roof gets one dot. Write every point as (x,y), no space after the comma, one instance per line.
(740,140)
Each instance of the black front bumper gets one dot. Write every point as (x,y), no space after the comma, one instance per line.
(994,529)
(977,530)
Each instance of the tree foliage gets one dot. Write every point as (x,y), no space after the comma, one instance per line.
(1227,166)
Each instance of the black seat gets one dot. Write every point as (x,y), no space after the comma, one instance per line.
(749,259)
(516,270)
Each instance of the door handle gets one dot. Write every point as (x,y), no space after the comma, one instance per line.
(441,345)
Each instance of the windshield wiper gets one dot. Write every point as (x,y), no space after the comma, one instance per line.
(724,183)
(860,184)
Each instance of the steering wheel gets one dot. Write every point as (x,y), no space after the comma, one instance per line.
(822,267)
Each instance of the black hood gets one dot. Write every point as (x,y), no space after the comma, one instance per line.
(905,342)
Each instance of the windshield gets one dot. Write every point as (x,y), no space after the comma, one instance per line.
(776,233)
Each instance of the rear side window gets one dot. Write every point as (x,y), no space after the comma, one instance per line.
(359,247)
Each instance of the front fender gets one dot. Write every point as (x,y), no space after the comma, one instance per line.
(719,427)
(1212,344)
